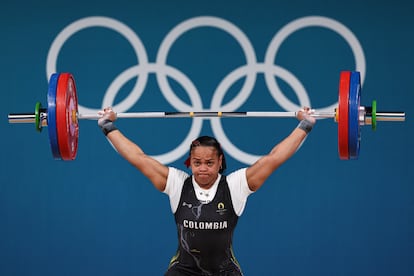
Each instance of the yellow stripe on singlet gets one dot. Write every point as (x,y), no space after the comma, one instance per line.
(233,258)
(174,259)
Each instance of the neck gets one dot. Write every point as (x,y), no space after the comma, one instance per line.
(207,185)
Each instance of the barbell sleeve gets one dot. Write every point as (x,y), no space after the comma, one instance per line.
(387,116)
(26,118)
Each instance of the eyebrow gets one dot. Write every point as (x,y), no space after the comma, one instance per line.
(198,159)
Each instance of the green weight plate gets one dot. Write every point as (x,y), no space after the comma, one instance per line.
(38,123)
(374,115)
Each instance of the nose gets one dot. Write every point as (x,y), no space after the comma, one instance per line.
(203,167)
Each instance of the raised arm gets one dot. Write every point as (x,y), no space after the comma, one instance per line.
(156,172)
(266,165)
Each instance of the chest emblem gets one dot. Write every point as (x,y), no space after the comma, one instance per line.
(221,208)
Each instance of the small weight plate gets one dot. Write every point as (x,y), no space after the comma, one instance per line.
(66,116)
(38,123)
(51,115)
(354,129)
(374,115)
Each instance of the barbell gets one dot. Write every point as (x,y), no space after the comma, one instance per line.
(61,115)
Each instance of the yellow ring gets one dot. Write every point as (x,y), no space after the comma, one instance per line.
(74,117)
(336,114)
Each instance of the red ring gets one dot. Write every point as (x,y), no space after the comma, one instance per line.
(66,123)
(343,103)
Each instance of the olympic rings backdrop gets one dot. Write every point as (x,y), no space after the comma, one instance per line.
(317,215)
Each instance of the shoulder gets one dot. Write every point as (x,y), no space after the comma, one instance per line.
(236,176)
(237,182)
(174,186)
(239,189)
(175,173)
(175,180)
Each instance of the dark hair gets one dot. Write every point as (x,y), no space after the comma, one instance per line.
(207,141)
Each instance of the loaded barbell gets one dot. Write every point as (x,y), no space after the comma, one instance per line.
(61,115)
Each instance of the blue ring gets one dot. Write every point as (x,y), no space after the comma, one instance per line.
(354,133)
(51,116)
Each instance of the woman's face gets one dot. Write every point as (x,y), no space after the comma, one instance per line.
(205,165)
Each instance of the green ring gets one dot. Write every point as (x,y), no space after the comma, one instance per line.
(37,116)
(374,115)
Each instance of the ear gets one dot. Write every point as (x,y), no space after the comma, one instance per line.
(187,162)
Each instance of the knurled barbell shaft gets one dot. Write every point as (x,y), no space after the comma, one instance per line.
(380,115)
(207,114)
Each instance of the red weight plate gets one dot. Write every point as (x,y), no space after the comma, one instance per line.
(66,116)
(343,124)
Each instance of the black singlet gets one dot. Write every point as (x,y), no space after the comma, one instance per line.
(205,233)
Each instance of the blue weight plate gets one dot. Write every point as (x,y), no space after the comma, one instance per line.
(353,113)
(51,116)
